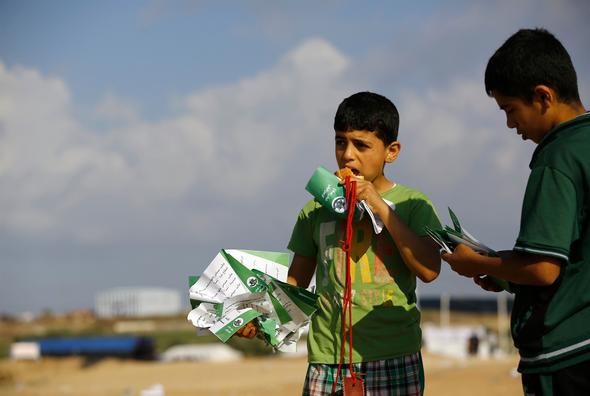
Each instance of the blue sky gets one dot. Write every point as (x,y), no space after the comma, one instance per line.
(138,138)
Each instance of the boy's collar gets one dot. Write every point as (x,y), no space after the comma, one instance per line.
(556,132)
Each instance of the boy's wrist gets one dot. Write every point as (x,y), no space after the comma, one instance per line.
(382,208)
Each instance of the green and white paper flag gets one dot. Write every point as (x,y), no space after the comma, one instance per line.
(239,286)
(448,238)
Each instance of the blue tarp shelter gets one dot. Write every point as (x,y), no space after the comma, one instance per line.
(99,346)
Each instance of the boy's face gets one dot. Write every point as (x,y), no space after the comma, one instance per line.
(529,119)
(364,153)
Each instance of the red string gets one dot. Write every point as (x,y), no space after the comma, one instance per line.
(347,292)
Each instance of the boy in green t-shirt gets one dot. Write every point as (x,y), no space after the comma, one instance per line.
(534,82)
(384,266)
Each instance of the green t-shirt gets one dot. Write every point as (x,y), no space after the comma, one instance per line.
(386,320)
(551,325)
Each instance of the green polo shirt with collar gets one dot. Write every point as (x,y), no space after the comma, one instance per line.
(551,325)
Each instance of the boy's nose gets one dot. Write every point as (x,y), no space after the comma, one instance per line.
(348,151)
(510,123)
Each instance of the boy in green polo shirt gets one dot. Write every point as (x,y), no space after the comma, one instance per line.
(533,80)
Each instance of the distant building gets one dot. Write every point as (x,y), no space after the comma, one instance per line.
(137,302)
(217,352)
(25,351)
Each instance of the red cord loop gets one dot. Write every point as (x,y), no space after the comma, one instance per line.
(346,317)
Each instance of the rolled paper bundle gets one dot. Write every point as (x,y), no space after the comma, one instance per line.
(326,188)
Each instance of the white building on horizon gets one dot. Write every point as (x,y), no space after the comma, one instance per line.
(138,302)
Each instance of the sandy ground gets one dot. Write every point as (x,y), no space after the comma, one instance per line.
(260,376)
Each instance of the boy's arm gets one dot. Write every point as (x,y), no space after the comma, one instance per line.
(518,268)
(301,271)
(419,253)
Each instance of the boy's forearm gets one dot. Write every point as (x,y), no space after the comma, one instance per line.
(522,269)
(301,271)
(420,254)
(518,268)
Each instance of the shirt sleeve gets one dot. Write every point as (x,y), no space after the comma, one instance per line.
(423,214)
(548,219)
(302,241)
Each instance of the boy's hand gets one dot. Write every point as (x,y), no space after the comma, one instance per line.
(365,191)
(487,284)
(247,331)
(462,261)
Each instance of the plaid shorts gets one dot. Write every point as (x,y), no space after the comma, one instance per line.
(403,376)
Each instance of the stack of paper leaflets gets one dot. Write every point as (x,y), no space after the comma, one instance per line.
(240,286)
(449,237)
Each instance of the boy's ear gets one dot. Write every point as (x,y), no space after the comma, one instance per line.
(546,95)
(392,151)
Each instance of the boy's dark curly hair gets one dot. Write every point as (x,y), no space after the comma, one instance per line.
(532,57)
(368,111)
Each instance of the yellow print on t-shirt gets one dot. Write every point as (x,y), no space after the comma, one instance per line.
(366,265)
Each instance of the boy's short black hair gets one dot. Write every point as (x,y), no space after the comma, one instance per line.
(368,111)
(532,57)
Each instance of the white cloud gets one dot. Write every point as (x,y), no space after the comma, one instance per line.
(456,125)
(263,120)
(227,143)
(226,147)
(456,148)
(116,109)
(36,131)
